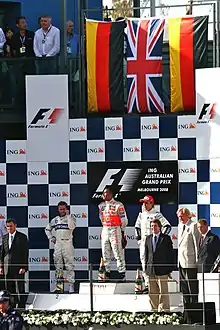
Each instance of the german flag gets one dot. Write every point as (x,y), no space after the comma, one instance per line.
(188,42)
(104,54)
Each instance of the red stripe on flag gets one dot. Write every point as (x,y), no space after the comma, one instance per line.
(102,66)
(187,63)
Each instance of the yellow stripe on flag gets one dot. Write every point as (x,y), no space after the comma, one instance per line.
(91,32)
(176,101)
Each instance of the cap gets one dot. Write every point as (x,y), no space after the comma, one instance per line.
(4,296)
(146,199)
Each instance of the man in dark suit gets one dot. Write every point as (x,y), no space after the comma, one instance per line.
(209,247)
(159,265)
(14,262)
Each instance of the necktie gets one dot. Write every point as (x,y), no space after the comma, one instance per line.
(201,241)
(184,227)
(155,242)
(11,240)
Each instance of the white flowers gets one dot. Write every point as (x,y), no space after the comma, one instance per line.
(105,318)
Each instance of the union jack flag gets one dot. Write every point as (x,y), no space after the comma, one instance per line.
(144,65)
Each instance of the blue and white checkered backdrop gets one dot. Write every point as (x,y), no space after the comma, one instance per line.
(29,192)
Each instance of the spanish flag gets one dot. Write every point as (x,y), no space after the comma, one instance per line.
(104,55)
(188,42)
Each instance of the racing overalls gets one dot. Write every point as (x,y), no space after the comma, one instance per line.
(62,229)
(143,229)
(114,220)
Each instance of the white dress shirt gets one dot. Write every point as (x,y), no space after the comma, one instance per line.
(10,239)
(47,43)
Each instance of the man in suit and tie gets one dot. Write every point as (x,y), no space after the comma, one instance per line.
(209,247)
(188,241)
(159,265)
(14,262)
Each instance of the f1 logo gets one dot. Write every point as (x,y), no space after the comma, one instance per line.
(127,180)
(208,108)
(53,118)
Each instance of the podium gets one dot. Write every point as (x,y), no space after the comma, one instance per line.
(112,297)
(211,290)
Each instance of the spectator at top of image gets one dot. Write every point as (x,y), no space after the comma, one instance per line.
(72,40)
(23,39)
(47,39)
(8,51)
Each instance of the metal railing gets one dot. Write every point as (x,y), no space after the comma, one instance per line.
(205,282)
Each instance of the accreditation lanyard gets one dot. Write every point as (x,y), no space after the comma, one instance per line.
(45,35)
(22,40)
(22,48)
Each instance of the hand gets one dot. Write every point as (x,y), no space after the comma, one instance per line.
(123,241)
(139,242)
(67,212)
(1,271)
(8,49)
(21,271)
(53,240)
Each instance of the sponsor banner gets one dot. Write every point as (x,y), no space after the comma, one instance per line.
(81,259)
(168,149)
(16,151)
(214,215)
(203,193)
(187,126)
(113,128)
(23,230)
(78,172)
(38,216)
(131,150)
(208,113)
(37,173)
(187,170)
(193,210)
(47,118)
(78,129)
(3,174)
(59,192)
(80,213)
(17,195)
(215,170)
(133,180)
(95,237)
(3,213)
(150,127)
(130,235)
(39,260)
(96,151)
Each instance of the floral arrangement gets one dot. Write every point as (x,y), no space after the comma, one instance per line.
(82,319)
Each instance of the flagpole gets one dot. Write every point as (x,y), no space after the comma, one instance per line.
(152,8)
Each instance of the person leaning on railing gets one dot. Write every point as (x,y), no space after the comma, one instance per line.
(46,45)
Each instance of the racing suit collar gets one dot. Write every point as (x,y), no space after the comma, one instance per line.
(108,202)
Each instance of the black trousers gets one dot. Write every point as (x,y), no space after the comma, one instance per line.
(189,284)
(15,284)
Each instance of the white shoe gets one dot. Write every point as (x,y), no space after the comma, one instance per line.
(71,288)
